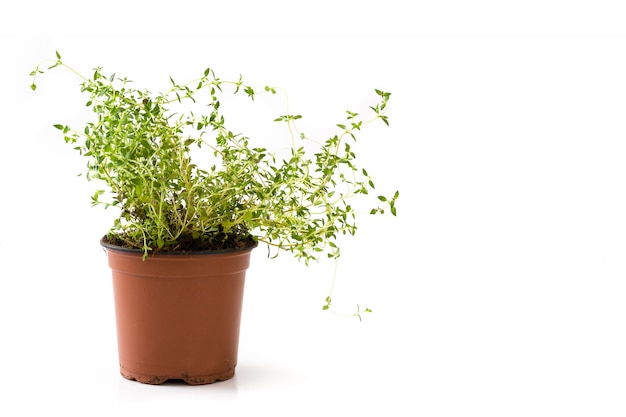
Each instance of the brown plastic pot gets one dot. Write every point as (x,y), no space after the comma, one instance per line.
(178,315)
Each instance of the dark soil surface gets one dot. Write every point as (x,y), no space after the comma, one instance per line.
(189,244)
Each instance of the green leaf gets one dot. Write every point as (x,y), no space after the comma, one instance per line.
(58,55)
(382,198)
(249,91)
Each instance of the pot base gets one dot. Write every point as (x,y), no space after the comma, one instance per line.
(191,380)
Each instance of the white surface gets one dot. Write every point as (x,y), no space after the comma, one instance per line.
(507,141)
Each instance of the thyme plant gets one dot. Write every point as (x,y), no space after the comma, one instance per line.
(140,145)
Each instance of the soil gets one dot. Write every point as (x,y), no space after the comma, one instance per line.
(189,244)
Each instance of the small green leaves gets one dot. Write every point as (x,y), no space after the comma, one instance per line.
(383,94)
(249,91)
(295,197)
(95,198)
(288,118)
(359,312)
(380,108)
(33,74)
(293,193)
(392,203)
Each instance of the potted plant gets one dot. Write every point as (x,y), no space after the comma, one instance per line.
(181,244)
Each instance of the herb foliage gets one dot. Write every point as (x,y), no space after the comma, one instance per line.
(140,146)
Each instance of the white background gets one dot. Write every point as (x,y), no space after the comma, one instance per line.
(497,291)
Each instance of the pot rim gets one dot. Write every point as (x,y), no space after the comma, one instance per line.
(109,246)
